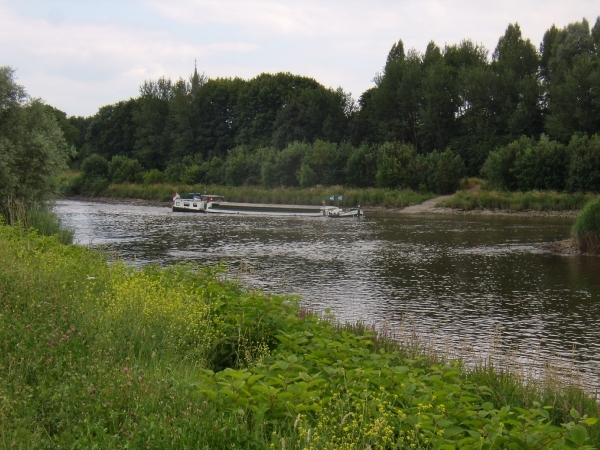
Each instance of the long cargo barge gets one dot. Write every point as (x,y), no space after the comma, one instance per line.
(216,204)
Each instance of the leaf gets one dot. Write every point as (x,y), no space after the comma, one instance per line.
(575,414)
(304,376)
(591,421)
(238,384)
(578,434)
(254,378)
(453,431)
(451,373)
(443,423)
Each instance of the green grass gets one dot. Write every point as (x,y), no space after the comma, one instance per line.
(517,201)
(105,356)
(586,230)
(295,196)
(41,218)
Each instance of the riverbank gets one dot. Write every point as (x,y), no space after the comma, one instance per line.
(346,197)
(105,355)
(427,207)
(481,201)
(372,200)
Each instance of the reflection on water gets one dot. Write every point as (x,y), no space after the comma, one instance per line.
(467,279)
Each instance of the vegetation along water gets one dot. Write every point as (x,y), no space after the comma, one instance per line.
(108,355)
(105,355)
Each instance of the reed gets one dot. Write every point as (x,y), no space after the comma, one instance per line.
(39,217)
(517,201)
(294,196)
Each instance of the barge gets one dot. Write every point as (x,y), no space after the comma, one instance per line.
(216,204)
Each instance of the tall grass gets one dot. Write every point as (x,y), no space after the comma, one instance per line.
(586,230)
(294,196)
(517,201)
(39,217)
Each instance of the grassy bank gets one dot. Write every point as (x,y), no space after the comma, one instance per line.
(294,196)
(39,217)
(586,230)
(517,201)
(106,356)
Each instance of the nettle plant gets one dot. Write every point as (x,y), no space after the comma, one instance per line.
(341,393)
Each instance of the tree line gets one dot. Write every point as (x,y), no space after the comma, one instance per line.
(275,129)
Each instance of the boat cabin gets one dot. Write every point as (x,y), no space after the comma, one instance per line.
(195,202)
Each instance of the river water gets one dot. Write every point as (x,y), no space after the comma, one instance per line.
(463,284)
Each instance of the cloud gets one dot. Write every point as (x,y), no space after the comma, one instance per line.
(81,55)
(69,64)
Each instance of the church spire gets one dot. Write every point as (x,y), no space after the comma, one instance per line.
(195,78)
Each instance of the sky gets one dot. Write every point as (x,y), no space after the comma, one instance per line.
(79,55)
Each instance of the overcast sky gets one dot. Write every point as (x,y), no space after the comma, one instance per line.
(79,55)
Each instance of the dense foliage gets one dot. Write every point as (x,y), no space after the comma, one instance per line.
(33,146)
(288,130)
(527,164)
(586,229)
(105,356)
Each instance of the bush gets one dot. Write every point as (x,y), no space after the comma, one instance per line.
(584,166)
(399,166)
(394,166)
(542,166)
(498,168)
(154,176)
(444,172)
(586,230)
(122,169)
(94,175)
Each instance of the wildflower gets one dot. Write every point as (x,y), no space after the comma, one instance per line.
(345,417)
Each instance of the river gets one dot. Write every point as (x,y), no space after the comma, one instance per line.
(464,284)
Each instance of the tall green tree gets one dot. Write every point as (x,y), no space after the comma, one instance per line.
(33,150)
(439,101)
(112,130)
(396,101)
(518,92)
(150,117)
(570,66)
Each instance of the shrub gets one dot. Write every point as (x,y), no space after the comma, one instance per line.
(94,166)
(584,165)
(94,175)
(586,230)
(444,171)
(122,169)
(394,166)
(498,168)
(154,176)
(542,166)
